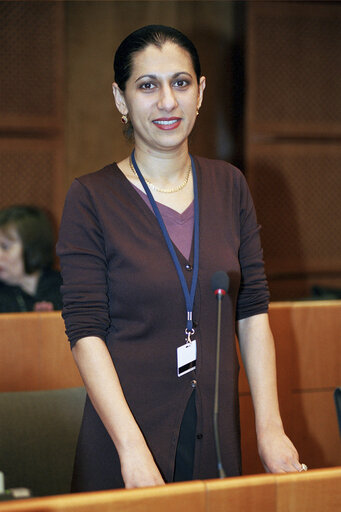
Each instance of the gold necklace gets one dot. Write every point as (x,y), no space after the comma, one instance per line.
(164,190)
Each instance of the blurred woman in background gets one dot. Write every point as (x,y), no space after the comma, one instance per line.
(27,279)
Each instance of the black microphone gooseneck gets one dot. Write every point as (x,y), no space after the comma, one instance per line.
(219,285)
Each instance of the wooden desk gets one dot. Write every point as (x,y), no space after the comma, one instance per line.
(314,491)
(35,354)
(308,349)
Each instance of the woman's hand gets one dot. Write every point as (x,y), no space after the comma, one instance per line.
(277,453)
(139,469)
(275,449)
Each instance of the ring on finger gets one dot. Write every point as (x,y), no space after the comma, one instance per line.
(304,467)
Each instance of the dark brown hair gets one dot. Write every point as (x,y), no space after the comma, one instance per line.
(137,41)
(35,232)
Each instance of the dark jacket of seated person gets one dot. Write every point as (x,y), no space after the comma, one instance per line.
(27,279)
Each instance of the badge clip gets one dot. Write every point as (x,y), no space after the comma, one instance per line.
(188,334)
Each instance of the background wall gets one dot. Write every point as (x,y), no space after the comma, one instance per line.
(293,135)
(57,115)
(31,104)
(272,107)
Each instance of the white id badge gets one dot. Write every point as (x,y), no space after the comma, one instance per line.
(187,357)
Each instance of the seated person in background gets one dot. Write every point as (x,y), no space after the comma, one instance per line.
(27,280)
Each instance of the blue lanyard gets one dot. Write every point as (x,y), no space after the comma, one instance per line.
(189,295)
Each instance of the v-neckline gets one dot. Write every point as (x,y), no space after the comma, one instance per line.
(167,210)
(133,192)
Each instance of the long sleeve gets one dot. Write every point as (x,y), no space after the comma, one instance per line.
(253,295)
(81,250)
(120,285)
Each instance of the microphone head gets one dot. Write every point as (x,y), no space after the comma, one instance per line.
(220,281)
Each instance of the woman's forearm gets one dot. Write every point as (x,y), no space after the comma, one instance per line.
(104,389)
(276,451)
(258,354)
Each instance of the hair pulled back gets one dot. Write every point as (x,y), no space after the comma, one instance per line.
(138,40)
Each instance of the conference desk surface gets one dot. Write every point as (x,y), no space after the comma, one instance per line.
(313,491)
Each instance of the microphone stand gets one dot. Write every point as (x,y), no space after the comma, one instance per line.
(219,294)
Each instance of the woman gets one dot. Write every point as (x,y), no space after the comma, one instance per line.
(128,315)
(27,280)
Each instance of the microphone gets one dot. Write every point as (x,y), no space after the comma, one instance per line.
(219,283)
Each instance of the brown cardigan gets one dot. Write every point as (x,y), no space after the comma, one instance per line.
(120,284)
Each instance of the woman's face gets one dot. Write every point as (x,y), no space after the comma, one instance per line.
(12,268)
(162,97)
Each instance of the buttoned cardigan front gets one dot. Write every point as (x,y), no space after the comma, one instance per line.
(120,284)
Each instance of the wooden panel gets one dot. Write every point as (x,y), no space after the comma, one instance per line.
(313,428)
(182,497)
(317,341)
(314,491)
(319,286)
(35,353)
(251,463)
(31,110)
(296,188)
(307,338)
(294,63)
(31,173)
(242,494)
(280,321)
(31,65)
(293,127)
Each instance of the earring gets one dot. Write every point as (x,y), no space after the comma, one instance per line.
(124,119)
(197,111)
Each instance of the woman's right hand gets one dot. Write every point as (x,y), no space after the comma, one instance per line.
(139,469)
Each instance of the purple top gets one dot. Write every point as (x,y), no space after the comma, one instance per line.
(179,225)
